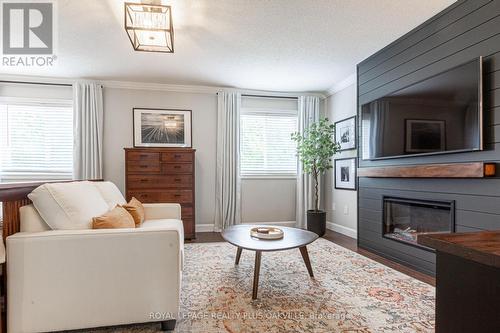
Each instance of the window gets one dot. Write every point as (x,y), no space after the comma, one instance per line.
(36,140)
(266,148)
(365,134)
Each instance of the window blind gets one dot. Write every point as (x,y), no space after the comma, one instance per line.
(36,141)
(266,147)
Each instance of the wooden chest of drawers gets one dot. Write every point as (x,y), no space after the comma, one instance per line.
(163,175)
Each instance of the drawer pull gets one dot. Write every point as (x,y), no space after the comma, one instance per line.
(177,167)
(143,156)
(143,180)
(177,195)
(177,156)
(177,180)
(143,166)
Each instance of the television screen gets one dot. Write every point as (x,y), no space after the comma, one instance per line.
(440,114)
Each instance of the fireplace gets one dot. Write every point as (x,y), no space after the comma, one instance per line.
(405,219)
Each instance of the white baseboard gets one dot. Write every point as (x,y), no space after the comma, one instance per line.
(342,230)
(211,227)
(282,223)
(204,227)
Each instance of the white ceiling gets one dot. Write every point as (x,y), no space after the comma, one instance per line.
(278,45)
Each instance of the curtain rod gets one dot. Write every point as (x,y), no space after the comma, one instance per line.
(263,96)
(38,83)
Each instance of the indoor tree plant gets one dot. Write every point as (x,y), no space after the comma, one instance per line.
(315,148)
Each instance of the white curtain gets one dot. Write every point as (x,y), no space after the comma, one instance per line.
(309,113)
(228,194)
(377,128)
(88,130)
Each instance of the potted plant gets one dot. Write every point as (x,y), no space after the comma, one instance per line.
(315,148)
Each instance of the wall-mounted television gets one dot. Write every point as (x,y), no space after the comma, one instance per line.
(441,114)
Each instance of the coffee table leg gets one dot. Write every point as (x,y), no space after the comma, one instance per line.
(305,256)
(256,272)
(238,255)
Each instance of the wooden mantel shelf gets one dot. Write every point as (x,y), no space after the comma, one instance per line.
(451,170)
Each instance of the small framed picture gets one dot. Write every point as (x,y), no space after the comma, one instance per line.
(162,128)
(345,133)
(425,136)
(345,174)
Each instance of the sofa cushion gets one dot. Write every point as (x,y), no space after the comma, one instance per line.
(116,218)
(110,193)
(69,205)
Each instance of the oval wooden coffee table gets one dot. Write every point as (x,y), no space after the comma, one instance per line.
(239,236)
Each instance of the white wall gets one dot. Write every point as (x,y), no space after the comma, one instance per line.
(269,200)
(341,205)
(35,91)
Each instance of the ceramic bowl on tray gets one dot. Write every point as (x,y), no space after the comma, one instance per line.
(266,232)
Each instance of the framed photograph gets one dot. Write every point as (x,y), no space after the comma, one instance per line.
(345,133)
(345,174)
(425,136)
(162,128)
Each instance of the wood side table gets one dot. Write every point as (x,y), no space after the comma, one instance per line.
(467,281)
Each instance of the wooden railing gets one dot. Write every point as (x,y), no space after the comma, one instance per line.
(13,196)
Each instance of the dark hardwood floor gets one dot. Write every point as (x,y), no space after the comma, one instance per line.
(339,239)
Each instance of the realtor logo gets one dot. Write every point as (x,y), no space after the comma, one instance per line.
(28,33)
(28,28)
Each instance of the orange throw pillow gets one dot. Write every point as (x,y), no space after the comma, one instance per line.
(118,217)
(136,209)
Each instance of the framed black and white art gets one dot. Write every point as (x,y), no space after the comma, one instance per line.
(162,128)
(345,174)
(345,133)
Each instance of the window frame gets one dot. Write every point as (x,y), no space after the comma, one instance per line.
(43,102)
(267,111)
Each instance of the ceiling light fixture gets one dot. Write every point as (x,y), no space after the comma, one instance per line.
(149,27)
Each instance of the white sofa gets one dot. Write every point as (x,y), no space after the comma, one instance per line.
(77,277)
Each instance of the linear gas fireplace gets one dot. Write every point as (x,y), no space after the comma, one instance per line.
(406,219)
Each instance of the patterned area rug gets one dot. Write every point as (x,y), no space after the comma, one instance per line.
(350,293)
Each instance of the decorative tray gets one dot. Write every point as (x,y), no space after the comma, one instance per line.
(266,233)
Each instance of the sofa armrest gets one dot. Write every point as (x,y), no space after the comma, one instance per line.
(156,236)
(132,271)
(155,211)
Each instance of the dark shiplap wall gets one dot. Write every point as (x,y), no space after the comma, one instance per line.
(464,31)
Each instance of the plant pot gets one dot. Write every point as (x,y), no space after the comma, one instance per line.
(316,221)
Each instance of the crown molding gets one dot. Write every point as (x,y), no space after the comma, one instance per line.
(197,89)
(200,89)
(348,81)
(161,87)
